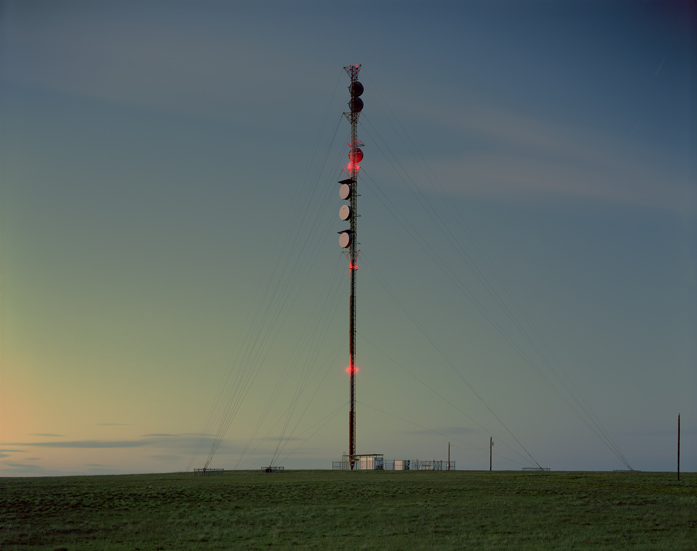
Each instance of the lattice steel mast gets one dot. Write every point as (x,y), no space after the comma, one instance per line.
(348,238)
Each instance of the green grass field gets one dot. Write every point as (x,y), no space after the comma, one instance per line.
(351,510)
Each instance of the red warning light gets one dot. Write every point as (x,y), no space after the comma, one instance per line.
(356,156)
(348,369)
(353,267)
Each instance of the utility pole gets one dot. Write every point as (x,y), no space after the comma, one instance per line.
(491,450)
(448,455)
(678,447)
(348,239)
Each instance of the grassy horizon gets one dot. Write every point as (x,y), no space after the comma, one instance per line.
(326,509)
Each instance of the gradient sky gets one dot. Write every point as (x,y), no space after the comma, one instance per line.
(158,159)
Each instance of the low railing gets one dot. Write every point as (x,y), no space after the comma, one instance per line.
(206,472)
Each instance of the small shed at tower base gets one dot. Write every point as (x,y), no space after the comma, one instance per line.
(361,462)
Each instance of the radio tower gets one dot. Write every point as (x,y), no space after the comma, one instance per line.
(348,238)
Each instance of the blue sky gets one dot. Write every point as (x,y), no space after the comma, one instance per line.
(159,159)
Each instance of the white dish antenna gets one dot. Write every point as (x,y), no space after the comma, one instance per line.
(345,240)
(345,212)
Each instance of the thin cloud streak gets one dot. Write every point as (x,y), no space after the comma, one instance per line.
(166,457)
(520,156)
(512,178)
(444,430)
(154,68)
(116,425)
(166,441)
(20,469)
(89,444)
